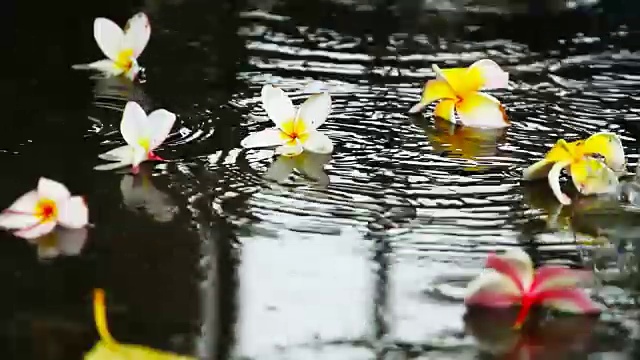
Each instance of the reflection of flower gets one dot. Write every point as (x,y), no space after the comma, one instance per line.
(510,279)
(61,241)
(122,48)
(458,93)
(309,164)
(138,192)
(295,129)
(552,339)
(462,141)
(142,133)
(37,212)
(109,349)
(590,175)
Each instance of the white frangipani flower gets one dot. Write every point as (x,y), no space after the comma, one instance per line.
(142,133)
(295,129)
(122,48)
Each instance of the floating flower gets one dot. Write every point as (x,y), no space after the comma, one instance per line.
(109,349)
(139,193)
(122,48)
(509,279)
(142,133)
(295,129)
(458,93)
(61,241)
(590,174)
(37,212)
(308,164)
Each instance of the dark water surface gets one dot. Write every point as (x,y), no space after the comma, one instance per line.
(201,255)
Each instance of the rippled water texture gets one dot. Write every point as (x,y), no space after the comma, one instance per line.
(227,253)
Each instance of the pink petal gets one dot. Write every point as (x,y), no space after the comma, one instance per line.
(568,300)
(556,277)
(505,267)
(492,299)
(35,231)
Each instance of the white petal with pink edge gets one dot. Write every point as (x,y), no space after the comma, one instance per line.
(35,231)
(514,263)
(21,213)
(557,277)
(494,77)
(575,301)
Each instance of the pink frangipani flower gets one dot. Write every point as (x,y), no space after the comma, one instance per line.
(510,280)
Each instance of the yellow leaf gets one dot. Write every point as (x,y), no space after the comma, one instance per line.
(109,349)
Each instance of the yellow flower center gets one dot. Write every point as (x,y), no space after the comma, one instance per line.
(123,60)
(46,210)
(145,143)
(293,130)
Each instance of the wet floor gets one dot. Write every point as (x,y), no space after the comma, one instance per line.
(220,254)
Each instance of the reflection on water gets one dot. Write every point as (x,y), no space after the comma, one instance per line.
(362,254)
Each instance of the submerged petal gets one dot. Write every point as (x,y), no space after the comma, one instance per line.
(315,110)
(264,138)
(109,37)
(490,74)
(277,104)
(592,176)
(554,182)
(318,143)
(573,300)
(446,110)
(610,147)
(479,110)
(514,263)
(289,149)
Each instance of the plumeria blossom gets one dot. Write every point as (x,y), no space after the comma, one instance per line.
(509,279)
(142,133)
(590,174)
(109,349)
(458,93)
(122,48)
(39,211)
(295,129)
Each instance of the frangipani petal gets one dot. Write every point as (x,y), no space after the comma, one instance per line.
(21,213)
(538,170)
(491,281)
(610,147)
(53,190)
(105,66)
(111,166)
(264,138)
(137,33)
(139,155)
(74,213)
(478,110)
(159,124)
(122,153)
(492,299)
(289,150)
(554,182)
(457,80)
(36,231)
(277,104)
(556,277)
(109,37)
(133,123)
(592,176)
(318,143)
(446,110)
(315,110)
(514,263)
(490,73)
(433,90)
(569,300)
